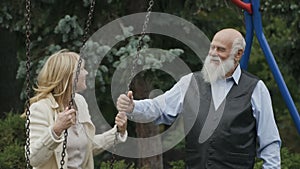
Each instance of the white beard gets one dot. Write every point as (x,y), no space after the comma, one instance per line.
(212,72)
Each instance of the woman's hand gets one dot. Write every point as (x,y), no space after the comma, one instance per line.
(64,120)
(121,121)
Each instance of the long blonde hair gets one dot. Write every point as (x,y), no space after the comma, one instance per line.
(56,77)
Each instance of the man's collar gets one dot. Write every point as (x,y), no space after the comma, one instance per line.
(236,75)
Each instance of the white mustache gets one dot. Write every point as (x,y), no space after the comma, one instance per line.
(215,58)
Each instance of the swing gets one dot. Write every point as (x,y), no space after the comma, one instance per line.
(254,24)
(27,104)
(71,103)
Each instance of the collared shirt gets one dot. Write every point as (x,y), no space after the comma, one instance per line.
(165,108)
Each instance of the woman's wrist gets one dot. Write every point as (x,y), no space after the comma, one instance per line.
(57,131)
(121,131)
(123,137)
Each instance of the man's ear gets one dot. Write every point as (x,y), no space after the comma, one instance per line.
(239,55)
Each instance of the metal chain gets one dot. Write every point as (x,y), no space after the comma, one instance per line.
(139,47)
(85,37)
(72,103)
(88,22)
(140,43)
(113,158)
(27,42)
(63,153)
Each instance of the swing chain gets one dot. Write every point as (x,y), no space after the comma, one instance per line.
(114,151)
(139,47)
(27,42)
(85,37)
(72,103)
(63,153)
(140,42)
(88,22)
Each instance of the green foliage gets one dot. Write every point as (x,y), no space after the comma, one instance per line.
(12,139)
(70,30)
(180,164)
(121,164)
(11,13)
(148,59)
(5,16)
(289,160)
(12,130)
(12,156)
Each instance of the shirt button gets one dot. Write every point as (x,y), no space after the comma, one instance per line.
(130,117)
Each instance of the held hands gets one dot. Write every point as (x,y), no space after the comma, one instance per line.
(64,120)
(125,103)
(121,122)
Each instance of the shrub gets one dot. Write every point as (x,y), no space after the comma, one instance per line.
(117,165)
(12,139)
(180,164)
(12,156)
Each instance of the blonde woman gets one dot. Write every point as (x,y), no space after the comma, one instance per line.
(50,116)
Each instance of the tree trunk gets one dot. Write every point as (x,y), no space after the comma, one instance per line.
(141,90)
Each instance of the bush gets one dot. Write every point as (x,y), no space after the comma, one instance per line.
(116,165)
(180,164)
(12,156)
(12,139)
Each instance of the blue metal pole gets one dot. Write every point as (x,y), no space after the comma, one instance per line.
(249,38)
(272,63)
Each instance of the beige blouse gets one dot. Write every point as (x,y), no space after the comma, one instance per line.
(77,146)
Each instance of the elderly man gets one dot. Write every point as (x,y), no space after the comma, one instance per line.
(235,121)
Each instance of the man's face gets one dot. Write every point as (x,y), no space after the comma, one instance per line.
(219,61)
(219,49)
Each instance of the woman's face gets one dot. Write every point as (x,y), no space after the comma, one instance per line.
(81,84)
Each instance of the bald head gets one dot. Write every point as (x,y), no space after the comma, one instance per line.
(228,36)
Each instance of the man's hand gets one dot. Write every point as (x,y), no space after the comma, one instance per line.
(125,103)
